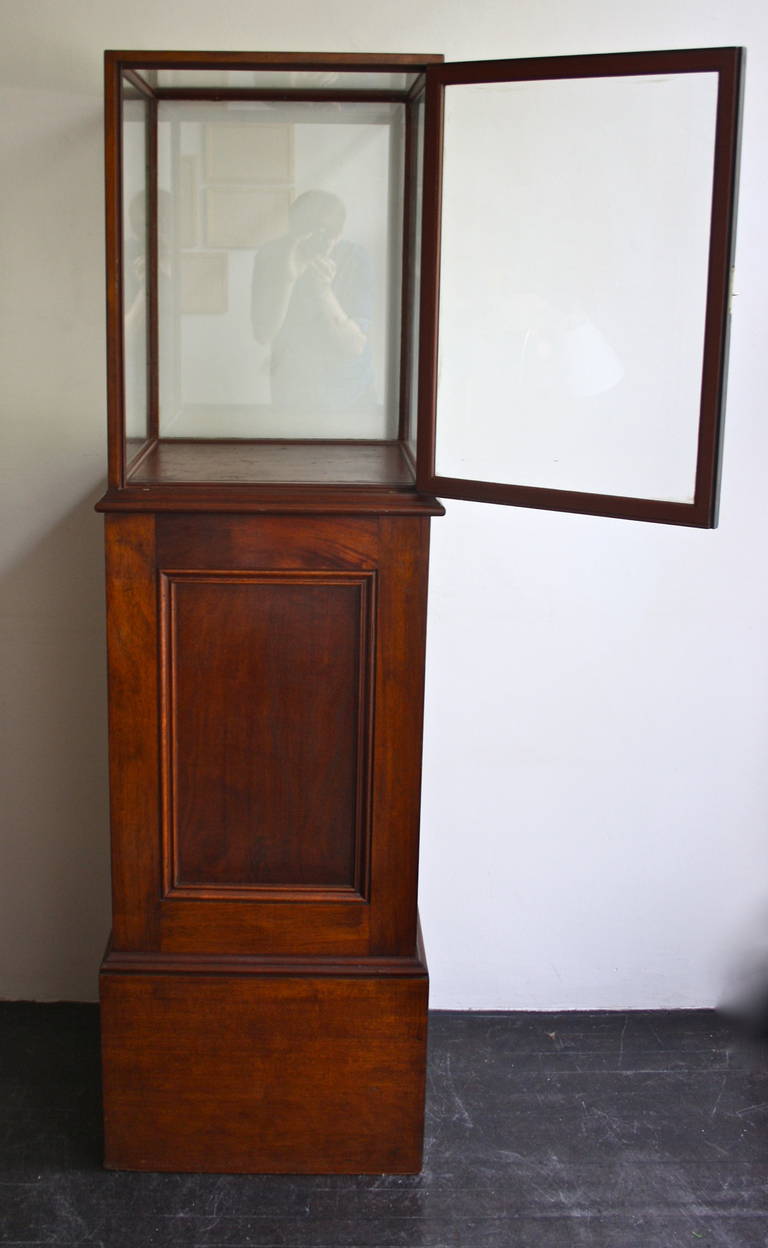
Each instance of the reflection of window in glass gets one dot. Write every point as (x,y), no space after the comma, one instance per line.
(302,203)
(135,270)
(415,190)
(252,154)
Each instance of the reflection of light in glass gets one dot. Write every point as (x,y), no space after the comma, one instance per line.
(573,355)
(591,366)
(314,79)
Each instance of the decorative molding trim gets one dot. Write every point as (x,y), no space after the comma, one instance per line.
(358,892)
(270,500)
(238,965)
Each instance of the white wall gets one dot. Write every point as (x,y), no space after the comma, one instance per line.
(595,796)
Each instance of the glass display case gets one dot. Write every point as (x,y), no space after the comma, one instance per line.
(275,293)
(267,253)
(339,285)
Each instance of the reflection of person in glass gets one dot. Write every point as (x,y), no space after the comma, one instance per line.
(312,302)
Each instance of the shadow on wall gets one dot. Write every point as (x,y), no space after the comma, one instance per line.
(745,1000)
(54,884)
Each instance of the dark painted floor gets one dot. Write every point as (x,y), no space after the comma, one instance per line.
(618,1130)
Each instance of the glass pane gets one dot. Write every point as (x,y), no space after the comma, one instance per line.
(280,250)
(417,188)
(331,80)
(573,282)
(134,268)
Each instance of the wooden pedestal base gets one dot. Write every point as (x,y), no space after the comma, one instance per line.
(264,1003)
(244,1065)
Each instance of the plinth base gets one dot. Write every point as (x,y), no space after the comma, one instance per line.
(251,1068)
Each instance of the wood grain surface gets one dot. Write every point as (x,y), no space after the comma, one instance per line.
(252,1074)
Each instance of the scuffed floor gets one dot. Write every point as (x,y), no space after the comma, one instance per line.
(638,1130)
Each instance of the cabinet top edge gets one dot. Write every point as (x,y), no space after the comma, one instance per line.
(167,59)
(277,501)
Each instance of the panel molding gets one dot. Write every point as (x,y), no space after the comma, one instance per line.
(173,887)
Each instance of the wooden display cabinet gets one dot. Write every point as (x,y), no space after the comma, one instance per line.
(282,413)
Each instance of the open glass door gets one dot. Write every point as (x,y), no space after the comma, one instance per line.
(578,219)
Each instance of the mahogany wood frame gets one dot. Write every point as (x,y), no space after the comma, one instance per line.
(727,64)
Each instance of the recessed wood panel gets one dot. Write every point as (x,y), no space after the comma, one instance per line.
(267,734)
